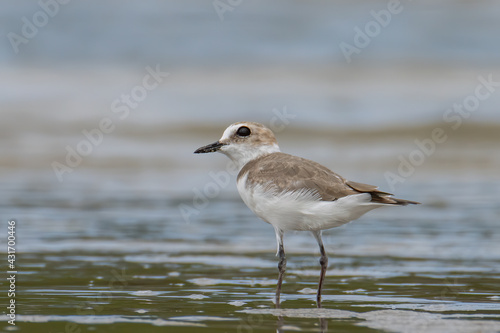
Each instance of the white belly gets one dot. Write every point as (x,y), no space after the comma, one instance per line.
(303,210)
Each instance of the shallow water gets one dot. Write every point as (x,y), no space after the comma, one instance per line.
(102,260)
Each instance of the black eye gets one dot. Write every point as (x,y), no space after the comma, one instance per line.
(243,131)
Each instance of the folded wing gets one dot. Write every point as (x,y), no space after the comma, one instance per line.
(282,172)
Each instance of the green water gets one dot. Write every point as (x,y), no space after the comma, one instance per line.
(103,293)
(109,293)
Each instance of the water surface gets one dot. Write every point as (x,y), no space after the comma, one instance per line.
(104,260)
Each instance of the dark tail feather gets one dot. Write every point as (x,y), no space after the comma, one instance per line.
(403,202)
(379,196)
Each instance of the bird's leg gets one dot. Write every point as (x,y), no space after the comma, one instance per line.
(281,265)
(282,269)
(324,265)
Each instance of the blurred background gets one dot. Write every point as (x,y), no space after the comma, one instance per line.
(103,103)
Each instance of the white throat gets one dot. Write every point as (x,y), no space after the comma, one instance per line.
(242,154)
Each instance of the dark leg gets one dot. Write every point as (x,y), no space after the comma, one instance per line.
(281,265)
(324,265)
(323,325)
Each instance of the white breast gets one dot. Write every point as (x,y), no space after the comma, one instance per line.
(302,210)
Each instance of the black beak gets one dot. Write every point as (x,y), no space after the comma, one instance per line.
(213,147)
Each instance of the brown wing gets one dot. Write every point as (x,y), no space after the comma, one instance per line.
(285,172)
(291,173)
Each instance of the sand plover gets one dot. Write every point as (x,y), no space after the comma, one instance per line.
(293,193)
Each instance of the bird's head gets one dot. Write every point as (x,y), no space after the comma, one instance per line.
(243,142)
